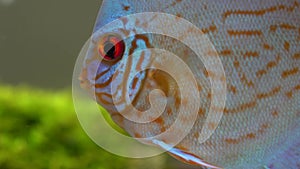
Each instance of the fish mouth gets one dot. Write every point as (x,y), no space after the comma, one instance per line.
(84,82)
(87,84)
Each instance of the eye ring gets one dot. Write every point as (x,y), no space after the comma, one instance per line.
(111,47)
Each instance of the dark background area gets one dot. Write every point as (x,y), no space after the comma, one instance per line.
(40,39)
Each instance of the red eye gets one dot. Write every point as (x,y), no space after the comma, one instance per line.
(111,47)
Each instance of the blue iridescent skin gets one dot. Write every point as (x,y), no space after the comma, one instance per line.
(258,44)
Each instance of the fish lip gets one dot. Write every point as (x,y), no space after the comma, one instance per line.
(83,80)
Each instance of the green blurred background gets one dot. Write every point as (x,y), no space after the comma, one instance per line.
(39,43)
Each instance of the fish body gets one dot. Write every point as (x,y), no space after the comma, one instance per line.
(258,45)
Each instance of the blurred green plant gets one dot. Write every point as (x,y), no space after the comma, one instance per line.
(39,129)
(110,121)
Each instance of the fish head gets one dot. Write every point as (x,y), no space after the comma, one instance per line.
(117,72)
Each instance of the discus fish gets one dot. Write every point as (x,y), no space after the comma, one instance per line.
(258,45)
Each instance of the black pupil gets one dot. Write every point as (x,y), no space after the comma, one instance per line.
(109,49)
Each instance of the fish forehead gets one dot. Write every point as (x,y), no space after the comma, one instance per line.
(258,43)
